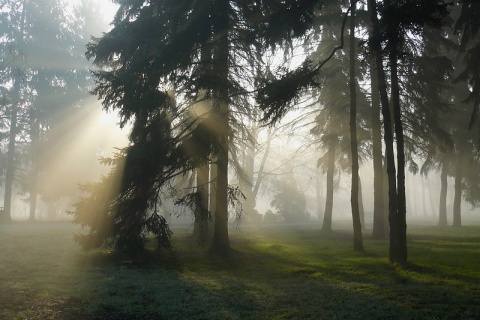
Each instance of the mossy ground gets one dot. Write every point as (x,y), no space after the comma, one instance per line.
(272,273)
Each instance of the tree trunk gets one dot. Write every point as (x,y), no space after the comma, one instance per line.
(386,204)
(378,231)
(213,190)
(424,201)
(387,124)
(457,200)
(260,174)
(357,227)
(220,242)
(398,223)
(361,209)
(327,217)
(442,210)
(318,193)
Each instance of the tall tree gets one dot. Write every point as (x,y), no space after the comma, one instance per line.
(357,228)
(378,231)
(139,69)
(397,21)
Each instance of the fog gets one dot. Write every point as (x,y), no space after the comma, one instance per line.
(289,159)
(72,158)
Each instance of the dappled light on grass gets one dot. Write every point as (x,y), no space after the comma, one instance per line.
(271,273)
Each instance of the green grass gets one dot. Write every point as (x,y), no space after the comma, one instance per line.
(273,273)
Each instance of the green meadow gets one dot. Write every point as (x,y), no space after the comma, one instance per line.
(273,273)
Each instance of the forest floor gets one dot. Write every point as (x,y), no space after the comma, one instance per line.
(273,273)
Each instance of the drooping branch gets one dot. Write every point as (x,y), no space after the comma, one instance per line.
(276,96)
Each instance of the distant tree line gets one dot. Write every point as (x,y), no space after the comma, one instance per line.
(44,81)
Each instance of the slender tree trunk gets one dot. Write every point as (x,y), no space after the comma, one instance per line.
(386,204)
(398,220)
(246,180)
(442,210)
(318,193)
(220,242)
(261,174)
(424,201)
(387,124)
(357,227)
(213,188)
(327,217)
(201,231)
(378,231)
(457,200)
(361,209)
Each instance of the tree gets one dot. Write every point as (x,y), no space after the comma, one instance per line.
(357,228)
(289,200)
(378,231)
(396,20)
(14,44)
(47,79)
(336,98)
(138,70)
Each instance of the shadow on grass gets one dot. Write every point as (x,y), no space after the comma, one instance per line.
(268,275)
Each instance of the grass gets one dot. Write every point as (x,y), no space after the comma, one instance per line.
(273,273)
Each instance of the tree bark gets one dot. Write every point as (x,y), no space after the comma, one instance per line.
(357,227)
(361,209)
(398,223)
(378,231)
(386,204)
(318,193)
(424,199)
(327,217)
(442,210)
(213,189)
